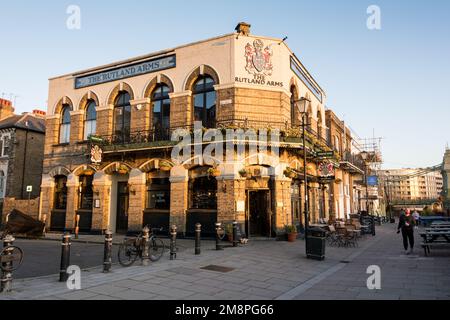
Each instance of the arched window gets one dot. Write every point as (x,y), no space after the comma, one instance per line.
(161,111)
(294,120)
(90,122)
(64,129)
(2,184)
(319,124)
(205,102)
(122,117)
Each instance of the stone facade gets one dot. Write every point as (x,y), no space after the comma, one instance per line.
(162,192)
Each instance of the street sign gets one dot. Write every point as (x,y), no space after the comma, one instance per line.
(372,180)
(325,154)
(29,188)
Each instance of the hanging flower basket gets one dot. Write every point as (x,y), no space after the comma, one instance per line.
(122,170)
(213,172)
(243,173)
(164,166)
(289,173)
(88,172)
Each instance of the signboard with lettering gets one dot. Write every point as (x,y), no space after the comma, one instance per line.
(133,70)
(372,180)
(326,154)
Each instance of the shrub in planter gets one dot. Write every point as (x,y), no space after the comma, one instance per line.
(214,172)
(243,173)
(291,231)
(165,166)
(289,173)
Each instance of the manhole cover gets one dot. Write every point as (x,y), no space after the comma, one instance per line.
(217,268)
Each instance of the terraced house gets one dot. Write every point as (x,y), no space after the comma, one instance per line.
(108,141)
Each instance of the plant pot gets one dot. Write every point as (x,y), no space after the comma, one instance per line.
(243,174)
(165,168)
(292,237)
(88,172)
(122,171)
(214,172)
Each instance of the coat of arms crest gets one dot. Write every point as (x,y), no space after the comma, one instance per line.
(96,154)
(259,58)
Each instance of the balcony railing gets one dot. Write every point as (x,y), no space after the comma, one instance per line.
(162,137)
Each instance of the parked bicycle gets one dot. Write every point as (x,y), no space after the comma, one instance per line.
(132,248)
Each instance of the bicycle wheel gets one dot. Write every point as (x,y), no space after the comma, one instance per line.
(128,253)
(156,249)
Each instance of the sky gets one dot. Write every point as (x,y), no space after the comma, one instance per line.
(392,83)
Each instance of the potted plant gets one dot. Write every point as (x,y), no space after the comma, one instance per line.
(243,173)
(164,166)
(291,231)
(289,173)
(213,172)
(88,172)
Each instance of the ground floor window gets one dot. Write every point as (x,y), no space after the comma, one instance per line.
(60,202)
(203,191)
(86,193)
(158,193)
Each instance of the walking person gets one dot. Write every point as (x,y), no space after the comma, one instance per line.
(406,226)
(416,217)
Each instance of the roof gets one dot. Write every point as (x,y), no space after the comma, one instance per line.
(26,121)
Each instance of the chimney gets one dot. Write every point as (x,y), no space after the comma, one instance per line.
(39,113)
(243,28)
(6,108)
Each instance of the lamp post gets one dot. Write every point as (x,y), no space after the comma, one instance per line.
(388,193)
(302,105)
(364,156)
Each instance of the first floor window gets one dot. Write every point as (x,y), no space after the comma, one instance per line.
(64,131)
(2,184)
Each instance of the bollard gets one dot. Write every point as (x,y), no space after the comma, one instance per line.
(145,246)
(173,239)
(44,220)
(65,257)
(77,225)
(218,246)
(198,231)
(6,281)
(107,261)
(235,239)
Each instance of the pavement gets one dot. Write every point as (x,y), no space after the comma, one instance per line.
(261,270)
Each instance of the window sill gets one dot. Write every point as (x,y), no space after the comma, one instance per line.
(83,142)
(61,145)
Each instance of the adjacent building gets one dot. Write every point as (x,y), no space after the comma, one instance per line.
(21,158)
(112,131)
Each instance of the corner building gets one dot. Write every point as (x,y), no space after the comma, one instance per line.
(131,108)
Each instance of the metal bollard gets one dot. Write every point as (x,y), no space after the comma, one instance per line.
(173,239)
(146,245)
(107,261)
(6,281)
(198,231)
(218,246)
(65,257)
(235,240)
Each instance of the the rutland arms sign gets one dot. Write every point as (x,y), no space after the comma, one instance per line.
(133,70)
(259,64)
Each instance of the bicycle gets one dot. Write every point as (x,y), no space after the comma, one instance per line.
(132,248)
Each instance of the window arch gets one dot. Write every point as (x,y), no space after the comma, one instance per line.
(64,129)
(161,111)
(294,97)
(90,121)
(122,117)
(319,124)
(205,101)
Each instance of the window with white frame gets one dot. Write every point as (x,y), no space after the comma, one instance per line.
(64,130)
(90,123)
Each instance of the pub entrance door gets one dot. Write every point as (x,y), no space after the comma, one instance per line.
(122,207)
(258,219)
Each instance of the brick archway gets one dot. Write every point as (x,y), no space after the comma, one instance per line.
(62,102)
(152,85)
(123,86)
(207,70)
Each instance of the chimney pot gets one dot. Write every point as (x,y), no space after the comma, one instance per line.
(243,28)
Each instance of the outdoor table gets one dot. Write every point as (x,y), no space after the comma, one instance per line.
(435,234)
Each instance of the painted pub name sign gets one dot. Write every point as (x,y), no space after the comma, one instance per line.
(133,70)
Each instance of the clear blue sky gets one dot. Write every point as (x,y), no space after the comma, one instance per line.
(395,81)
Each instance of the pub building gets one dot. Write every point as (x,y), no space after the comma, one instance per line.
(108,140)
